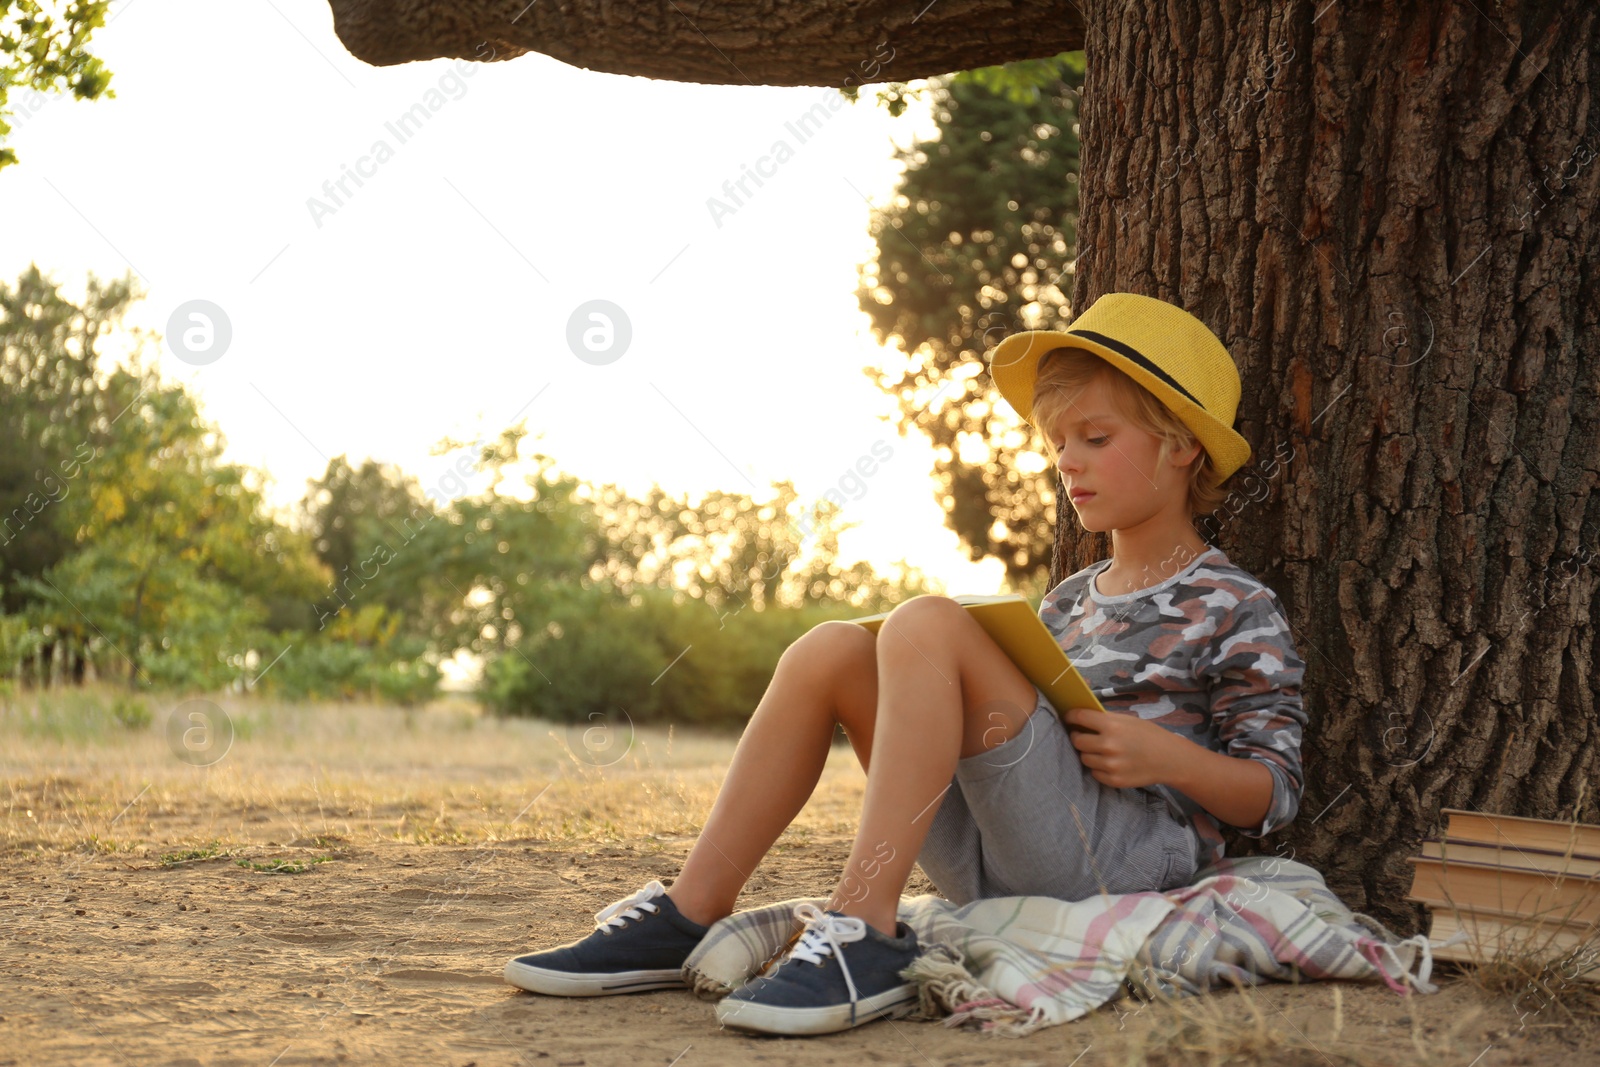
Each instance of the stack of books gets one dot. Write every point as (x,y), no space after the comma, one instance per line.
(1507,884)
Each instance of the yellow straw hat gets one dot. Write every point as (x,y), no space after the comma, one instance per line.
(1160,346)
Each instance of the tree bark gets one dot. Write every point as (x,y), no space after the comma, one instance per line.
(1383,212)
(764,43)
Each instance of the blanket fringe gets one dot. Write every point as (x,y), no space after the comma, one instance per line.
(1386,945)
(707,988)
(946,988)
(1377,952)
(1001,1017)
(703,987)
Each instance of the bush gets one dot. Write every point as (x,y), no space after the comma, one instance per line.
(362,654)
(651,661)
(131,711)
(337,669)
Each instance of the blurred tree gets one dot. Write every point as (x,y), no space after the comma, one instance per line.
(168,542)
(732,551)
(54,416)
(121,528)
(42,48)
(978,244)
(493,567)
(355,516)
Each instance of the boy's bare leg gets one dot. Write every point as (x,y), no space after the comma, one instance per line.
(953,693)
(945,691)
(827,676)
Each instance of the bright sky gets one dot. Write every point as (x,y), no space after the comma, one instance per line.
(437,295)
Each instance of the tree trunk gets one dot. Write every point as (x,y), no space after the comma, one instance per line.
(138,633)
(740,43)
(1385,216)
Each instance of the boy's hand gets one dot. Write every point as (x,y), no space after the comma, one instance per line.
(1122,751)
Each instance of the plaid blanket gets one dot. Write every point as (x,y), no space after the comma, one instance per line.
(1011,965)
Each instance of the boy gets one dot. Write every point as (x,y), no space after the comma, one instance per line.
(1167,629)
(1189,654)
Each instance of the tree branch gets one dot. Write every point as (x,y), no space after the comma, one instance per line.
(735,42)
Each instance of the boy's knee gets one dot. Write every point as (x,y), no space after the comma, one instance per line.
(832,638)
(924,613)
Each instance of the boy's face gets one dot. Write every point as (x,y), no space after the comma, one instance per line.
(1104,454)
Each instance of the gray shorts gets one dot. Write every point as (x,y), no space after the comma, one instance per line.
(1027,818)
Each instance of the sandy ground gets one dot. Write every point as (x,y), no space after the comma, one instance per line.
(391,950)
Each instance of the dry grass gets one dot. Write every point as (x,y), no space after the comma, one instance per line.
(1547,985)
(1216,1029)
(79,780)
(1305,1025)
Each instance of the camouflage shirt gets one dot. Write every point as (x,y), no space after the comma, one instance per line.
(1207,654)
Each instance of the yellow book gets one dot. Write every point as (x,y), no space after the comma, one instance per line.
(1016,627)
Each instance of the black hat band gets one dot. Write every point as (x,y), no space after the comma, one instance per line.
(1138,357)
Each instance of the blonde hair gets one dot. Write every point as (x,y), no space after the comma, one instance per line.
(1064,374)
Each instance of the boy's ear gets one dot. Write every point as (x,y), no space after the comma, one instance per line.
(1183,457)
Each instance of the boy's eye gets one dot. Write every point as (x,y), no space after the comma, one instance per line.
(1095,440)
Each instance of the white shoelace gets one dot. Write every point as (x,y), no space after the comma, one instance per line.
(617,913)
(825,934)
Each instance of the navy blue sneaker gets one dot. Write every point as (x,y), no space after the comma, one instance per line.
(638,943)
(840,974)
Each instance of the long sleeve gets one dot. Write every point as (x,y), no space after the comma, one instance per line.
(1253,675)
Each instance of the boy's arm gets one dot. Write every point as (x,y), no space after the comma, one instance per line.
(1253,675)
(1236,789)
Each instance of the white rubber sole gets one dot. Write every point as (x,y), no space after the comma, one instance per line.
(567,984)
(769,1019)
